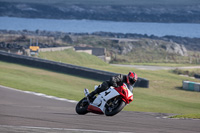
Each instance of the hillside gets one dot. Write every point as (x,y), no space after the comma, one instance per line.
(179,11)
(71,57)
(123,48)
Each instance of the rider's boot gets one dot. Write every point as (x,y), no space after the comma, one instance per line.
(91,95)
(99,89)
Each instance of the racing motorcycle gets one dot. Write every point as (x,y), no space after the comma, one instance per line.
(109,102)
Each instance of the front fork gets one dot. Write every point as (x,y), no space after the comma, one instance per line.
(86,91)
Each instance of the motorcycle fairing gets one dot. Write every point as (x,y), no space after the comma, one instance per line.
(126,94)
(94,109)
(102,98)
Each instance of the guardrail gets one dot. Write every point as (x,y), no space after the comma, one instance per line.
(64,68)
(191,86)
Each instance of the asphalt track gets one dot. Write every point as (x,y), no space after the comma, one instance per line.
(145,67)
(25,112)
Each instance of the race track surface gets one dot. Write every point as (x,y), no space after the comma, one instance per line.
(24,112)
(146,67)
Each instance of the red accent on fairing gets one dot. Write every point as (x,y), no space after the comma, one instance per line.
(94,109)
(123,91)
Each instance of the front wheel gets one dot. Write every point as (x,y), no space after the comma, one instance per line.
(114,106)
(81,107)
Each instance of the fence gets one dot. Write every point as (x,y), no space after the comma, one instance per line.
(64,68)
(191,86)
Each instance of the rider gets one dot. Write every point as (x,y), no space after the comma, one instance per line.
(115,81)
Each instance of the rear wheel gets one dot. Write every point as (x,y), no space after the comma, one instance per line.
(81,107)
(114,106)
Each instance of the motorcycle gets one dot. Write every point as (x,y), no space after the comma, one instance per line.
(109,102)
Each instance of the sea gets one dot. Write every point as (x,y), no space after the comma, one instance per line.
(191,30)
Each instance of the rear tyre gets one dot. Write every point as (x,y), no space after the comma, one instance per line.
(114,106)
(81,107)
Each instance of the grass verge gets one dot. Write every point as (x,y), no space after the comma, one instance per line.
(42,81)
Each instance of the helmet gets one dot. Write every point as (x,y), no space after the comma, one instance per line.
(131,78)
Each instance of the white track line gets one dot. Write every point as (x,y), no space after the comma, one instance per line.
(60,129)
(40,94)
(47,128)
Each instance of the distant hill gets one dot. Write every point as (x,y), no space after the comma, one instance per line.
(176,11)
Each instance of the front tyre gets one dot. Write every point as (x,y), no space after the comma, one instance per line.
(81,107)
(114,106)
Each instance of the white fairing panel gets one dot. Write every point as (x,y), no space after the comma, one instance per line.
(103,97)
(129,93)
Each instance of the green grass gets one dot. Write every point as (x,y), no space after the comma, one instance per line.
(47,82)
(71,57)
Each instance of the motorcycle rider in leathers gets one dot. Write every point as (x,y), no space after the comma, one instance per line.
(115,81)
